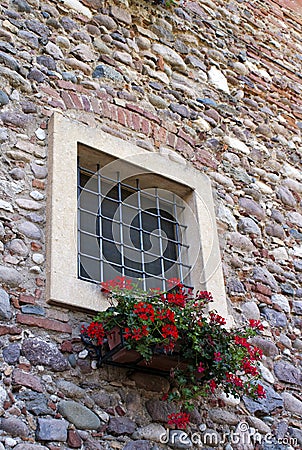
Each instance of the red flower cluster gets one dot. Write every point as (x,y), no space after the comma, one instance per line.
(217,357)
(117,282)
(231,378)
(200,368)
(204,295)
(216,318)
(241,341)
(256,324)
(260,391)
(169,331)
(176,298)
(136,333)
(249,368)
(180,420)
(212,385)
(163,314)
(95,330)
(144,311)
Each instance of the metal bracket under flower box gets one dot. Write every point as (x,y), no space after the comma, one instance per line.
(114,353)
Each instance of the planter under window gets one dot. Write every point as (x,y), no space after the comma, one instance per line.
(113,352)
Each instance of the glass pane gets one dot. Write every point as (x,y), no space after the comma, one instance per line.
(90,269)
(89,245)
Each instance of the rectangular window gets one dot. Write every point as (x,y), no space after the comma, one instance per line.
(116,209)
(126,230)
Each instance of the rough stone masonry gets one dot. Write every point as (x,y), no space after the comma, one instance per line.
(216,82)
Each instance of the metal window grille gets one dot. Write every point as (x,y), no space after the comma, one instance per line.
(128,231)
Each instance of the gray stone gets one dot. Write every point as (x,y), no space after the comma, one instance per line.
(247,225)
(38,27)
(275,318)
(39,406)
(51,430)
(297,307)
(36,75)
(240,241)
(221,416)
(9,61)
(30,447)
(39,352)
(47,61)
(275,230)
(121,425)
(70,389)
(251,207)
(3,396)
(30,230)
(179,439)
(286,196)
(14,427)
(21,6)
(235,286)
(151,432)
(39,171)
(33,309)
(27,204)
(16,119)
(160,410)
(79,415)
(288,373)
(10,276)
(292,404)
(264,276)
(17,247)
(30,38)
(121,14)
(11,353)
(281,301)
(264,405)
(4,100)
(170,56)
(296,434)
(250,310)
(103,71)
(105,20)
(5,309)
(182,110)
(258,424)
(138,445)
(17,173)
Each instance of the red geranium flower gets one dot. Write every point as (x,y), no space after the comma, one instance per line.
(256,324)
(180,420)
(260,391)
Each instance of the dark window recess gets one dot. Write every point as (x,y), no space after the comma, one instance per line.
(129,231)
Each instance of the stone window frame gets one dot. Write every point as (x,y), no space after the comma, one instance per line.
(63,287)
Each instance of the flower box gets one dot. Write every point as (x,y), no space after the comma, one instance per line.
(119,355)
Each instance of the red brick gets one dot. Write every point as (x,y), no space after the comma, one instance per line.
(57,104)
(76,100)
(186,137)
(50,91)
(12,330)
(35,246)
(205,158)
(106,109)
(42,322)
(114,110)
(67,100)
(66,346)
(66,85)
(171,140)
(184,148)
(28,299)
(160,135)
(40,282)
(95,105)
(121,117)
(128,118)
(86,103)
(38,184)
(142,112)
(135,122)
(145,126)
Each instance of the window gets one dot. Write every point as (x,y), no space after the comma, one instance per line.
(114,208)
(127,229)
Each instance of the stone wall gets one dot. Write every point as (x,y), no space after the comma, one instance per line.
(217,82)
